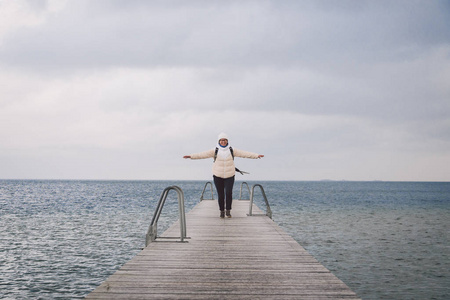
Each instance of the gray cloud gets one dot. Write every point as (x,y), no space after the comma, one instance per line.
(217,33)
(330,88)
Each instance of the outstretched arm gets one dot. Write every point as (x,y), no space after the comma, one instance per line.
(246,154)
(201,155)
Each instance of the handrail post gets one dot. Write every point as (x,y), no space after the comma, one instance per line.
(181,212)
(152,230)
(268,210)
(240,193)
(204,189)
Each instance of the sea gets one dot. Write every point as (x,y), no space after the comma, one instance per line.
(386,240)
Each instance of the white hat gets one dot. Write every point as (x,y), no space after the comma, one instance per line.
(223,136)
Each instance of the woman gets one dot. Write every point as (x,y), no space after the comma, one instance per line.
(224,170)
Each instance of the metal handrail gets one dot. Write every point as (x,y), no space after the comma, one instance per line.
(268,210)
(212,193)
(240,193)
(152,230)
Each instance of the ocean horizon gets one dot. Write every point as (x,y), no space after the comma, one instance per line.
(384,239)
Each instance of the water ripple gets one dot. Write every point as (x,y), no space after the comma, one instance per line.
(61,239)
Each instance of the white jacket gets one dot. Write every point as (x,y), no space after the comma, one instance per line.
(224,167)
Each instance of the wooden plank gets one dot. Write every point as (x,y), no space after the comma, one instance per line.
(233,258)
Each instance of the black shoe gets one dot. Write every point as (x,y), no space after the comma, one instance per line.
(228,214)
(222,214)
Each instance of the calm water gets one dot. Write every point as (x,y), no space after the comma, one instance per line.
(386,240)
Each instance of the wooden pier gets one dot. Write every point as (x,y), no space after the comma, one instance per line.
(243,257)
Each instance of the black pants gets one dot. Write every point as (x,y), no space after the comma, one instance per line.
(224,187)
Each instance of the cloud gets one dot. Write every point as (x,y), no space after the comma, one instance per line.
(20,14)
(246,33)
(113,89)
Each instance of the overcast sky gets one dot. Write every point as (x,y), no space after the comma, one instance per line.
(354,90)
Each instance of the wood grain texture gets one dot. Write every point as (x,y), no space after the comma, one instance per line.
(233,258)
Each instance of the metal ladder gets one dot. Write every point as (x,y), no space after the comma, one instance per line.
(252,194)
(152,232)
(204,189)
(240,192)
